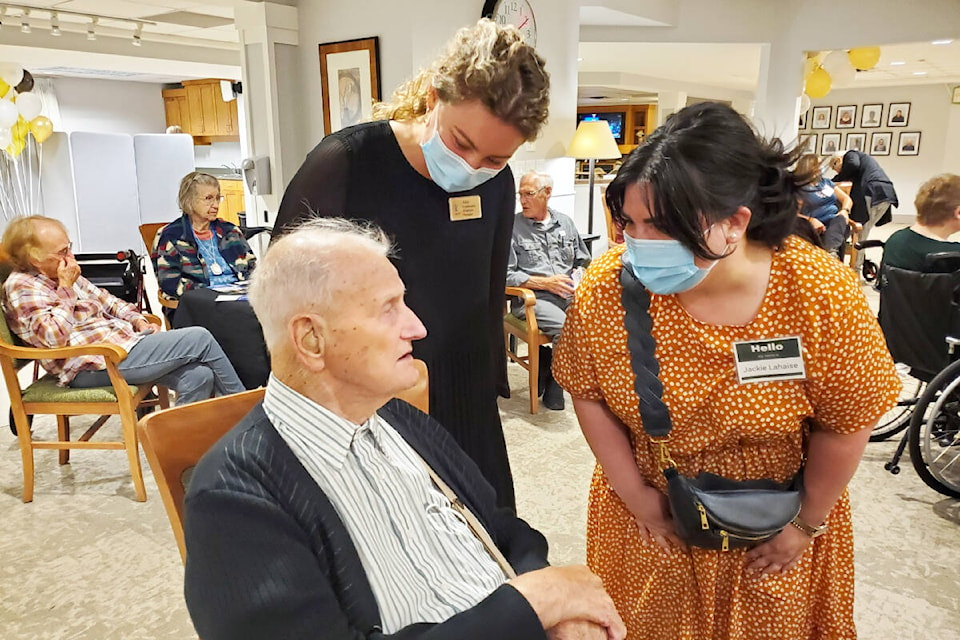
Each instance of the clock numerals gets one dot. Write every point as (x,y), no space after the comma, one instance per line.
(519,14)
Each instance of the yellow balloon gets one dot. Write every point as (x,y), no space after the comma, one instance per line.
(864,58)
(808,66)
(15,148)
(20,129)
(818,83)
(4,87)
(41,128)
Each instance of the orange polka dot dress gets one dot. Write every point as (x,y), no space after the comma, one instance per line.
(739,431)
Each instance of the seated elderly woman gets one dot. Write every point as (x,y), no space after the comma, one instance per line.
(823,205)
(199,249)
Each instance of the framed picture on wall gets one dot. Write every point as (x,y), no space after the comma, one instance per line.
(802,124)
(899,114)
(847,117)
(855,141)
(350,81)
(821,117)
(807,142)
(829,144)
(908,143)
(872,116)
(880,143)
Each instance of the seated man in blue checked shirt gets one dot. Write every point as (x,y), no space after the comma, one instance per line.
(316,516)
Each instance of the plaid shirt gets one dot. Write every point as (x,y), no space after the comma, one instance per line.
(45,315)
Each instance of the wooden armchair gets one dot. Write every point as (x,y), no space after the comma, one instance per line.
(855,227)
(175,440)
(148,232)
(44,397)
(526,330)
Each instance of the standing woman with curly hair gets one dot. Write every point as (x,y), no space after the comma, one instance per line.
(432,172)
(707,209)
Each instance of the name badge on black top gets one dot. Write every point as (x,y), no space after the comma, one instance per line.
(769,360)
(465,208)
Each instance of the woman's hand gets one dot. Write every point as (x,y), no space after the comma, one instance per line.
(779,554)
(654,521)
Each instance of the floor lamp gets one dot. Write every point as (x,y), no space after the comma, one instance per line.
(593,141)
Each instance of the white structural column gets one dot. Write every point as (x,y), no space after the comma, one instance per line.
(668,103)
(270,60)
(777,105)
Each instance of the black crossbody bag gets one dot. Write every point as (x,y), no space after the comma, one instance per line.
(709,511)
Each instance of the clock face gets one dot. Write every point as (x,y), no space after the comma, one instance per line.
(519,14)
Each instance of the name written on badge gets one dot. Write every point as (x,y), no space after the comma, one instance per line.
(769,360)
(465,208)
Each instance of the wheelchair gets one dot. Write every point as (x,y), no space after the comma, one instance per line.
(920,319)
(121,274)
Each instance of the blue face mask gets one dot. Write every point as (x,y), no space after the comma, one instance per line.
(663,266)
(451,172)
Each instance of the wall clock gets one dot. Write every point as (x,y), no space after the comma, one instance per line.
(519,13)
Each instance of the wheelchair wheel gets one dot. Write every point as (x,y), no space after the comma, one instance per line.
(935,433)
(898,418)
(869,270)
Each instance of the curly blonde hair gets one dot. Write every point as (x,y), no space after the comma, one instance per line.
(487,63)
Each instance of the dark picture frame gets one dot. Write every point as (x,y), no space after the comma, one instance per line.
(820,118)
(807,142)
(871,116)
(350,81)
(803,123)
(846,116)
(898,114)
(880,142)
(908,143)
(829,144)
(855,142)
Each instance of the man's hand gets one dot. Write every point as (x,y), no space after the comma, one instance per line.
(142,325)
(573,593)
(577,630)
(68,271)
(561,284)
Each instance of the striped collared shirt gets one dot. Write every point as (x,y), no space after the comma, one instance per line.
(422,561)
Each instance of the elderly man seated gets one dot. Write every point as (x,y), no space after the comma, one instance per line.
(546,251)
(318,516)
(49,304)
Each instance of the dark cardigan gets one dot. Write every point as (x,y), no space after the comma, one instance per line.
(268,556)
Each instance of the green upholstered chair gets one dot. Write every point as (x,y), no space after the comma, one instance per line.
(528,331)
(44,397)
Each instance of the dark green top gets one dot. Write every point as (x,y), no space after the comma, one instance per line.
(907,249)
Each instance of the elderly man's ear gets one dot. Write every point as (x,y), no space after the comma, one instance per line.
(308,331)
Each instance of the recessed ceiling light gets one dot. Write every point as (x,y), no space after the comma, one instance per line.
(54,24)
(941,42)
(24,25)
(897,63)
(579,59)
(919,73)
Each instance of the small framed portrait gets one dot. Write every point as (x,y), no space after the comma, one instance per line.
(908,143)
(855,141)
(880,143)
(829,144)
(807,142)
(899,114)
(871,116)
(847,117)
(821,117)
(802,123)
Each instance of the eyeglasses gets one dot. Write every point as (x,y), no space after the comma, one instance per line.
(65,252)
(210,199)
(529,194)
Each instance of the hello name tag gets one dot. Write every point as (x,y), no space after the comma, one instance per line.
(465,208)
(769,360)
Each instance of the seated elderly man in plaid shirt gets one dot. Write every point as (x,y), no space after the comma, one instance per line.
(49,304)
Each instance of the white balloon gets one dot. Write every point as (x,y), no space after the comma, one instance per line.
(8,114)
(29,105)
(804,103)
(6,137)
(837,64)
(11,73)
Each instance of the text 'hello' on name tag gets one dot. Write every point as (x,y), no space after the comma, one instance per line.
(465,208)
(769,360)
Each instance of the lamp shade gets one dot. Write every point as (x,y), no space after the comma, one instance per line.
(593,139)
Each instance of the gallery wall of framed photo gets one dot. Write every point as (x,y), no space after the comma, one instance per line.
(877,128)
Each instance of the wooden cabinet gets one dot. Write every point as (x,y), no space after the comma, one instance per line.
(200,111)
(233,203)
(637,119)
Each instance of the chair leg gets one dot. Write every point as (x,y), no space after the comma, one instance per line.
(533,359)
(26,454)
(130,442)
(63,434)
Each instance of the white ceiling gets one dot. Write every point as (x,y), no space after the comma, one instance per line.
(178,32)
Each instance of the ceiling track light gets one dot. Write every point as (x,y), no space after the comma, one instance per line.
(92,29)
(136,34)
(12,11)
(55,24)
(24,21)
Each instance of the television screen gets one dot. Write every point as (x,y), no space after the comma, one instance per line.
(614,120)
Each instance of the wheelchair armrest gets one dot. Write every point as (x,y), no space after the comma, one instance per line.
(943,262)
(249,232)
(868,244)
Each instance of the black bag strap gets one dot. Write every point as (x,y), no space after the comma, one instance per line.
(636,305)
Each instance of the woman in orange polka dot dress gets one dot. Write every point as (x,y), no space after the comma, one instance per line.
(707,208)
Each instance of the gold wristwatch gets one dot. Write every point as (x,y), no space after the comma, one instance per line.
(808,529)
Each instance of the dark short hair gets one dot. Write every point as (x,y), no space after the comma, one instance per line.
(703,164)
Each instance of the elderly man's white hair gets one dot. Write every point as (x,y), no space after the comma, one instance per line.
(543,179)
(296,274)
